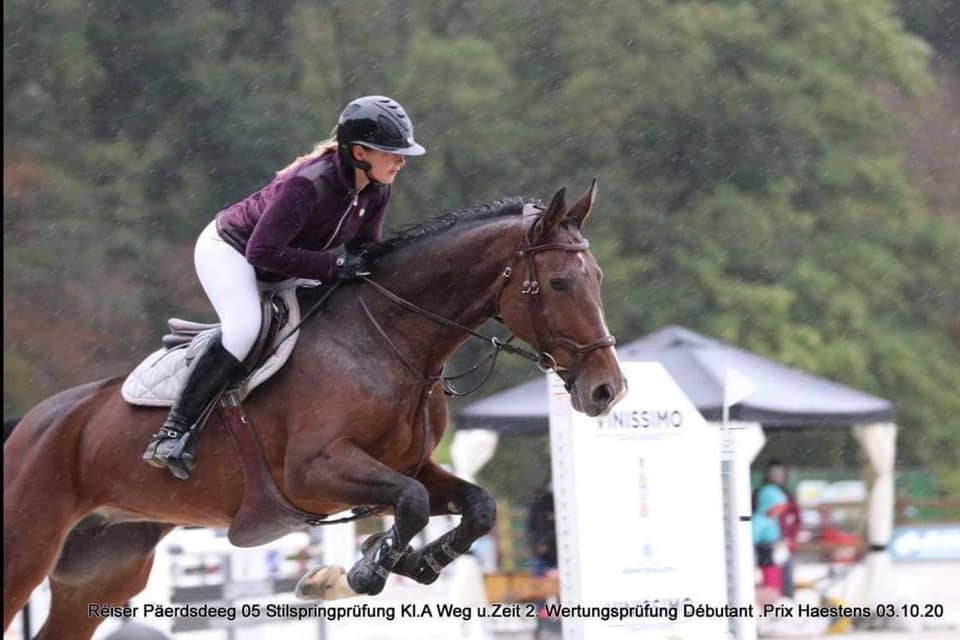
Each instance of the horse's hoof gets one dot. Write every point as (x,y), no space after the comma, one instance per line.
(325,583)
(367,578)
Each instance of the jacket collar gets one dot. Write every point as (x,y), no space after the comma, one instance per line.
(342,173)
(345,176)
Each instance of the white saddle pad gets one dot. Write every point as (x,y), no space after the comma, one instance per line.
(156,382)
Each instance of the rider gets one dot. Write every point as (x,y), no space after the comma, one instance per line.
(335,195)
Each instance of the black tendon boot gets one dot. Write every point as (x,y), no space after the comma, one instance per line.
(175,445)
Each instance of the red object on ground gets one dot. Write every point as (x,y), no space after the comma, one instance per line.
(840,545)
(773,578)
(831,535)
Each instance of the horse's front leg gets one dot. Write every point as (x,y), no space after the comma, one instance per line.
(449,495)
(344,473)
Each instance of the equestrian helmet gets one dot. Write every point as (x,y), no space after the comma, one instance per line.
(380,123)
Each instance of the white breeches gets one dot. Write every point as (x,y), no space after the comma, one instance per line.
(231,284)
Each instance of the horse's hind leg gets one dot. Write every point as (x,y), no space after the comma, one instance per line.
(449,495)
(33,530)
(101,564)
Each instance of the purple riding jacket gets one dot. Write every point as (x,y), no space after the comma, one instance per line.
(286,229)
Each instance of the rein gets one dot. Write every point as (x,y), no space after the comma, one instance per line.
(543,359)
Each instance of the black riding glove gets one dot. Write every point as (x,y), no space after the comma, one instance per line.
(351,267)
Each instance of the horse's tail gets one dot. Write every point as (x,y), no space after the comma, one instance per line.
(8,426)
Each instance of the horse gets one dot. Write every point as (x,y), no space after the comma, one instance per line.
(342,425)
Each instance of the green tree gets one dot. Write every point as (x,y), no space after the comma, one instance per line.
(749,154)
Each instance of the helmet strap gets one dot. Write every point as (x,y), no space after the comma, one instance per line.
(359,164)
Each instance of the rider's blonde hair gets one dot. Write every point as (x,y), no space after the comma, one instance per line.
(323,148)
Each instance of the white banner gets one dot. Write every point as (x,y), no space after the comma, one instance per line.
(639,514)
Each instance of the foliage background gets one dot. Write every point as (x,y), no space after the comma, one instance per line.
(779,175)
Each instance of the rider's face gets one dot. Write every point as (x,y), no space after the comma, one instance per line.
(384,166)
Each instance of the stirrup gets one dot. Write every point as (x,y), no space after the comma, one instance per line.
(182,457)
(150,455)
(175,451)
(161,446)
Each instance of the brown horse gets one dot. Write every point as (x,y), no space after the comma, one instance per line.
(341,424)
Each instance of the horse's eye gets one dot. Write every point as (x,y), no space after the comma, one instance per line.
(560,284)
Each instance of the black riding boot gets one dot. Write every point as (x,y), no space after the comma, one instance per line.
(175,445)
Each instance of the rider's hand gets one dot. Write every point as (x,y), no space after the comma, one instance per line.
(351,267)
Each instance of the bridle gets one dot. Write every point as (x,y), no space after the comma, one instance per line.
(538,318)
(546,341)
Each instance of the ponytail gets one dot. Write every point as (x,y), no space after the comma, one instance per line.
(323,148)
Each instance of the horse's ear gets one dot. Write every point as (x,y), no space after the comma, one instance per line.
(579,211)
(555,214)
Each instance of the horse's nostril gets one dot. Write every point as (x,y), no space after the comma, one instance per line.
(603,394)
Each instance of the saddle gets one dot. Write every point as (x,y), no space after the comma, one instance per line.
(157,380)
(265,514)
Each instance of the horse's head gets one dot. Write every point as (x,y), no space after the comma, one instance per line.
(552,301)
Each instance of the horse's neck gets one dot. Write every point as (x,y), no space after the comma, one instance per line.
(456,276)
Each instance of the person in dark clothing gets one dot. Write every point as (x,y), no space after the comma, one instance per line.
(542,533)
(336,195)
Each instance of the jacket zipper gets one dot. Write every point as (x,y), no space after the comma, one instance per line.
(356,199)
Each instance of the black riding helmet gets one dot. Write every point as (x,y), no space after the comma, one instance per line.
(377,122)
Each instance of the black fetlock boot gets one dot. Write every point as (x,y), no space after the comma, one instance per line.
(175,445)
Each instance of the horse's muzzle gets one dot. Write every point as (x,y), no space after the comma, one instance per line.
(598,398)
